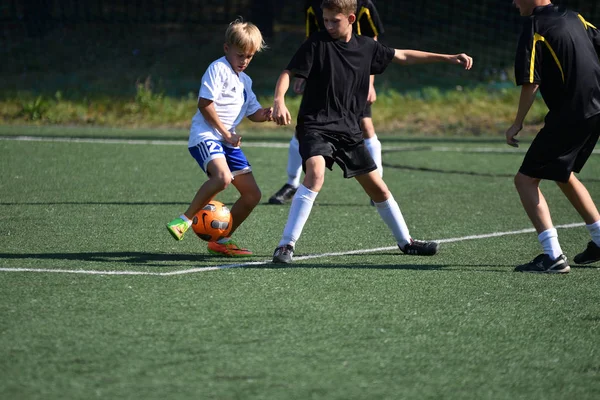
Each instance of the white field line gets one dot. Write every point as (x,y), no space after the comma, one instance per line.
(444,149)
(265,262)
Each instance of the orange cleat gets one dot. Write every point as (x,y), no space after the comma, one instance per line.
(228,249)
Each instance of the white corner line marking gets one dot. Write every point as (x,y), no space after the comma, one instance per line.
(265,262)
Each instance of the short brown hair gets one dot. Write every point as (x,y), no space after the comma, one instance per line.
(345,7)
(244,35)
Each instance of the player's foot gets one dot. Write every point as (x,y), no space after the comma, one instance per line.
(420,248)
(283,254)
(589,255)
(286,193)
(546,265)
(228,249)
(177,228)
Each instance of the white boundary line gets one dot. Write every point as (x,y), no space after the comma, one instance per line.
(273,145)
(254,263)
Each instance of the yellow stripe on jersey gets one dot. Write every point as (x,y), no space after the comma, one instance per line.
(539,38)
(310,12)
(585,23)
(363,11)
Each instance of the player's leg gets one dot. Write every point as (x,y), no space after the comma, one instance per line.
(300,209)
(536,207)
(579,196)
(211,159)
(544,160)
(250,195)
(581,200)
(294,170)
(371,140)
(389,210)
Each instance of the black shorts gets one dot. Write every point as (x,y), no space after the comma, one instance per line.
(347,151)
(560,149)
(367,113)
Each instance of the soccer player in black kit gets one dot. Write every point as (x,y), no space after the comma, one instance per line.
(557,54)
(337,65)
(369,24)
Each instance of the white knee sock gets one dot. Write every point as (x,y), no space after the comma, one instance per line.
(299,211)
(594,230)
(549,241)
(392,216)
(294,167)
(374,146)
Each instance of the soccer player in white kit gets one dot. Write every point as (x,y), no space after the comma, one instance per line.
(225,98)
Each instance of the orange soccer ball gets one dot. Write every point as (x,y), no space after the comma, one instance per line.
(213,222)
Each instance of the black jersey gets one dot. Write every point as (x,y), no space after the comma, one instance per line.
(558,49)
(367,22)
(337,79)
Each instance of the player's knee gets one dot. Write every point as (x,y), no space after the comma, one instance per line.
(222,181)
(252,197)
(523,182)
(314,181)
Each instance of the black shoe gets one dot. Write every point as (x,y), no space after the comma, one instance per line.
(589,255)
(420,248)
(283,254)
(286,193)
(544,264)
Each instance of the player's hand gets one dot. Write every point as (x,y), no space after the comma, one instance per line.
(281,114)
(372,97)
(511,133)
(299,85)
(233,139)
(463,59)
(267,114)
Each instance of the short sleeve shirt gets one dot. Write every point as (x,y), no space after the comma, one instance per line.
(557,51)
(337,79)
(367,22)
(232,97)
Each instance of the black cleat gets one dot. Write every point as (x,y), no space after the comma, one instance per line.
(283,195)
(283,254)
(589,255)
(545,265)
(420,248)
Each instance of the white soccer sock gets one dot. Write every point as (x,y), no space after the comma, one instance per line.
(549,241)
(186,219)
(294,166)
(594,230)
(390,212)
(299,211)
(374,146)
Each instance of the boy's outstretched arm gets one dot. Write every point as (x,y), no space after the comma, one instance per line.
(207,109)
(281,114)
(408,57)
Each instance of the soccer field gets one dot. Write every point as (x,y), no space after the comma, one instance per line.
(98,301)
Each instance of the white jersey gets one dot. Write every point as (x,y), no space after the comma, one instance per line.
(232,98)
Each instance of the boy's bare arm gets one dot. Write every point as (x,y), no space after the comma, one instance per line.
(262,115)
(528,93)
(207,109)
(281,115)
(408,57)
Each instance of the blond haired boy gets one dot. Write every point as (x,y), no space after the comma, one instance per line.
(225,98)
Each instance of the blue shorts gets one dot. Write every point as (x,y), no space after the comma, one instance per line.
(209,149)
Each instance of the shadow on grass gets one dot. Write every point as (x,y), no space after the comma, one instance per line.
(141,258)
(95,203)
(163,203)
(258,261)
(456,172)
